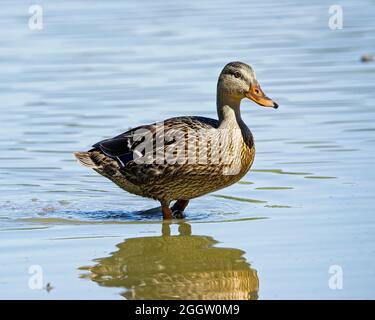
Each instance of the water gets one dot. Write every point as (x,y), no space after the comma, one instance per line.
(100,67)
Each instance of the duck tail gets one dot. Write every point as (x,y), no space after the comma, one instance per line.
(84,158)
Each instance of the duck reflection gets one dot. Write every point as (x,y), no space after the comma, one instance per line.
(182,266)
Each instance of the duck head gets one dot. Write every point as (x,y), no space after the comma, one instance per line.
(238,81)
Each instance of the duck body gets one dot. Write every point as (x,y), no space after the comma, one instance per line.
(180,158)
(165,181)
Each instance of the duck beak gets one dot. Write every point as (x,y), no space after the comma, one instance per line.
(256,94)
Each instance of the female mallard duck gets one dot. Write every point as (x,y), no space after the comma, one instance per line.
(184,157)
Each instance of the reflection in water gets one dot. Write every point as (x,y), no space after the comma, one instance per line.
(183,266)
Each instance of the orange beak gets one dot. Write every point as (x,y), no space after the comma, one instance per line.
(257,95)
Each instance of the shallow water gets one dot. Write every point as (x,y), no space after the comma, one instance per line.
(98,68)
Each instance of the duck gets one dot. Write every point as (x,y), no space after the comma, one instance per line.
(185,157)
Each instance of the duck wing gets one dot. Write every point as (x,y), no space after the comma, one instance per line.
(124,147)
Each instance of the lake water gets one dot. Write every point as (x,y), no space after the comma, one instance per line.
(99,67)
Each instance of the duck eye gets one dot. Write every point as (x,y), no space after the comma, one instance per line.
(256,91)
(237,74)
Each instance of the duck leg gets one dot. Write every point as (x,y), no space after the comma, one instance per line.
(178,208)
(167,213)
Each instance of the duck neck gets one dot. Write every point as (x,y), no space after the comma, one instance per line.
(228,110)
